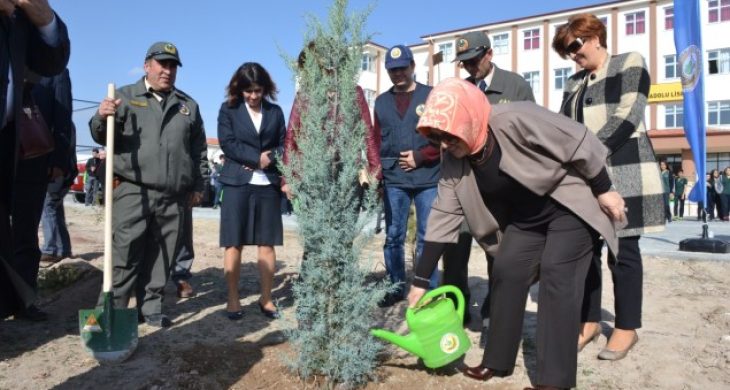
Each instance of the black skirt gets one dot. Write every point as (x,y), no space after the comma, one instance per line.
(251,215)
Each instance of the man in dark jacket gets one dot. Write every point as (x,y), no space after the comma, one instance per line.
(91,178)
(32,37)
(53,96)
(474,51)
(411,165)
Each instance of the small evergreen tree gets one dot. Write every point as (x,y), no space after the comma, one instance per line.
(334,299)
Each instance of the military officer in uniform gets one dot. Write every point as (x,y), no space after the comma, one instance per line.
(474,51)
(160,166)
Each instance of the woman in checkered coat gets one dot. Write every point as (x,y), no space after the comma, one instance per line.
(609,96)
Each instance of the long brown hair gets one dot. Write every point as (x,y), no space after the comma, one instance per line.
(247,74)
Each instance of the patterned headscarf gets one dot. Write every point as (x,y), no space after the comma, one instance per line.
(459,108)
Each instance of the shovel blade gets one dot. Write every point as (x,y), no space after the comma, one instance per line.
(109,334)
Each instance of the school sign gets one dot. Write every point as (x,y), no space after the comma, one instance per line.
(667,92)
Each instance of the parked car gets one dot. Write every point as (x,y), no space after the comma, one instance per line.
(77,188)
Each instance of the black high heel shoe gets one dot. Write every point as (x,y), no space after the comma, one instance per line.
(273,314)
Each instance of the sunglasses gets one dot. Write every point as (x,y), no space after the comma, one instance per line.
(438,137)
(575,46)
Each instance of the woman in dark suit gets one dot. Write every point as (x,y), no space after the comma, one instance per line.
(251,131)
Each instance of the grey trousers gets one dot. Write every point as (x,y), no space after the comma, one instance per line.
(147,226)
(186,253)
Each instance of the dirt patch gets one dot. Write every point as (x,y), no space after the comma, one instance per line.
(685,341)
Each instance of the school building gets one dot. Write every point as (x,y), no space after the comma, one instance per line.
(646,26)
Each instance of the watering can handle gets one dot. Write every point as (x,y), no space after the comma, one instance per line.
(442,290)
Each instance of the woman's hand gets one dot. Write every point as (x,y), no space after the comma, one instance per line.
(265,159)
(613,205)
(287,191)
(415,295)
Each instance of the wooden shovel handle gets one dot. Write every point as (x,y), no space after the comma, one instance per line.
(108,192)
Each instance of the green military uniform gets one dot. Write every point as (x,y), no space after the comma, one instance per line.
(160,158)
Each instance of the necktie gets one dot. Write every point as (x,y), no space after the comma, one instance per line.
(483,86)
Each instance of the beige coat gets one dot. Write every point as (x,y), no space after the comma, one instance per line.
(548,153)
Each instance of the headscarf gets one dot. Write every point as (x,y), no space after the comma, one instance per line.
(459,108)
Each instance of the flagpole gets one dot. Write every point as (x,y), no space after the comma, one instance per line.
(688,43)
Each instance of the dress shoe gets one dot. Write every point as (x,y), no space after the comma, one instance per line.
(234,315)
(593,338)
(158,320)
(32,313)
(391,299)
(184,289)
(48,260)
(607,354)
(273,314)
(481,373)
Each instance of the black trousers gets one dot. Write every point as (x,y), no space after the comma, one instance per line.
(456,265)
(9,299)
(678,207)
(456,269)
(525,254)
(29,192)
(627,274)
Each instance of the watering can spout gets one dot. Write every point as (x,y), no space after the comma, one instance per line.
(409,343)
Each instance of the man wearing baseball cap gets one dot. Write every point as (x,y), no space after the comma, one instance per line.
(160,166)
(411,165)
(474,52)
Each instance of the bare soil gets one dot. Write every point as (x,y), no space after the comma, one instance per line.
(684,344)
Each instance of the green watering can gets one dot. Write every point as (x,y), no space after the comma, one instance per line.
(437,332)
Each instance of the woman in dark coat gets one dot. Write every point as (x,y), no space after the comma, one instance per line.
(251,131)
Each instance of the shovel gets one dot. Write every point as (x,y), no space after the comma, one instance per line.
(109,334)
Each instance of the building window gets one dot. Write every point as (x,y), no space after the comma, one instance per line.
(717,161)
(561,76)
(369,97)
(448,51)
(635,23)
(533,78)
(673,115)
(719,61)
(532,39)
(500,44)
(671,69)
(719,10)
(718,113)
(604,20)
(668,18)
(368,62)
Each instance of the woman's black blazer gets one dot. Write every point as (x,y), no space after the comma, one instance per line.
(242,145)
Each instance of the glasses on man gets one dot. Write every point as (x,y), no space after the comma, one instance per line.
(475,61)
(575,46)
(438,137)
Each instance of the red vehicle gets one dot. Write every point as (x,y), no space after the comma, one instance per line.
(77,188)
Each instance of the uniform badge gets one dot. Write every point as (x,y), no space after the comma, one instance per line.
(170,48)
(184,109)
(420,108)
(462,44)
(395,53)
(138,103)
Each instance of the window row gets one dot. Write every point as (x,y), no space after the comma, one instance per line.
(718,62)
(718,114)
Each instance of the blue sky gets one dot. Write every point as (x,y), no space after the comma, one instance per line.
(109,38)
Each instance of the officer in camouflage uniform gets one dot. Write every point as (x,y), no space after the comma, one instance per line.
(160,166)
